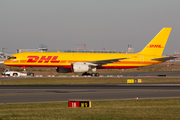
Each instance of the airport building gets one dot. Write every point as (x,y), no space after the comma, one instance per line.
(42,48)
(1,54)
(177,54)
(27,50)
(130,49)
(4,56)
(92,51)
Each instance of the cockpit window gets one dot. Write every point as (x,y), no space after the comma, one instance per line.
(11,58)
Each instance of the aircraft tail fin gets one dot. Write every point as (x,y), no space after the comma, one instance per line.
(157,44)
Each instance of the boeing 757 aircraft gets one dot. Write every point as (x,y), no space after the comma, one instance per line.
(84,62)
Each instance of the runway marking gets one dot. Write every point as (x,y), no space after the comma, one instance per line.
(84,92)
(50,93)
(94,100)
(138,98)
(79,92)
(33,102)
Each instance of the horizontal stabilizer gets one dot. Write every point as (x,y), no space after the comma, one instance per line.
(164,59)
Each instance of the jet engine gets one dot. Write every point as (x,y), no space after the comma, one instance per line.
(63,70)
(80,67)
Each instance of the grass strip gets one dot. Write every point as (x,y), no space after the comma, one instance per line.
(136,109)
(75,81)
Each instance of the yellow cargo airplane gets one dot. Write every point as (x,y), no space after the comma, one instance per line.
(83,62)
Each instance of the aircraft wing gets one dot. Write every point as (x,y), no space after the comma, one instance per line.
(103,62)
(164,58)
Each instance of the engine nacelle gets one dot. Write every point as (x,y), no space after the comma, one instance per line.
(80,67)
(63,70)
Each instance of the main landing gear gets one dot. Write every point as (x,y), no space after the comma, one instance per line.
(92,74)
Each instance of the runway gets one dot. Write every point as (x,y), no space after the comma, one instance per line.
(17,94)
(98,86)
(47,94)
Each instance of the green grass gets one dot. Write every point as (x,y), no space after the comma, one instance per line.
(75,81)
(132,110)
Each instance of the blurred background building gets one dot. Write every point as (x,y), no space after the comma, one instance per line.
(42,48)
(177,54)
(130,49)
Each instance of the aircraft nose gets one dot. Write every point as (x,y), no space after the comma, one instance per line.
(11,62)
(6,62)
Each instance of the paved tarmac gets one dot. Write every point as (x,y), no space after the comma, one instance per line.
(64,93)
(10,78)
(48,94)
(98,86)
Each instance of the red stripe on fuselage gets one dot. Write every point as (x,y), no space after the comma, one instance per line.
(69,66)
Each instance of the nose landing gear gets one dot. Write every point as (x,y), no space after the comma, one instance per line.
(24,69)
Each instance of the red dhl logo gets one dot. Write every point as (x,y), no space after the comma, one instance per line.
(155,46)
(44,59)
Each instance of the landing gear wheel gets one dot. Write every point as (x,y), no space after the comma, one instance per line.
(15,74)
(31,74)
(86,74)
(93,74)
(8,75)
(97,74)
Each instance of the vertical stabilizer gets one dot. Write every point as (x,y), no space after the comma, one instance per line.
(157,44)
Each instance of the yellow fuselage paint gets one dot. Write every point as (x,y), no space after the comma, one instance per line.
(39,59)
(153,50)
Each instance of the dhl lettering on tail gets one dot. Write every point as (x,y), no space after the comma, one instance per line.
(155,46)
(43,59)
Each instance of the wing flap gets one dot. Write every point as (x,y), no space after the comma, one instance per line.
(103,62)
